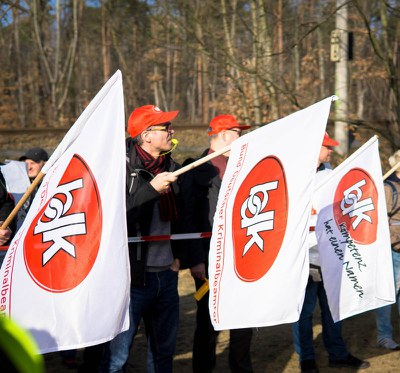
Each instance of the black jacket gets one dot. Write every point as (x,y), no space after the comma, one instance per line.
(140,200)
(199,195)
(6,203)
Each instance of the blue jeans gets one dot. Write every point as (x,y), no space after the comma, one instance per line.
(383,314)
(158,304)
(303,329)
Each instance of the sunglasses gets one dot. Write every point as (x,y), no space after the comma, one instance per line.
(165,128)
(239,132)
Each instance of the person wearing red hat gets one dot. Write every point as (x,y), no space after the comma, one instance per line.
(151,209)
(199,191)
(339,356)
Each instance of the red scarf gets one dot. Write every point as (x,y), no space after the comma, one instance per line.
(168,211)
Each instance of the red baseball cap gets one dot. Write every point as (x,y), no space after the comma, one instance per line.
(146,116)
(329,141)
(224,122)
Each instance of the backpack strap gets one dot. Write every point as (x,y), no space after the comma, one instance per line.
(395,196)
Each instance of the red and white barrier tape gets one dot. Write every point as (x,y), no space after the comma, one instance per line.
(163,237)
(167,237)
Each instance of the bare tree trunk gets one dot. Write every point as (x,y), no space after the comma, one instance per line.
(199,74)
(20,96)
(280,40)
(174,77)
(168,57)
(192,93)
(394,89)
(267,69)
(155,88)
(256,60)
(387,52)
(360,99)
(296,57)
(105,41)
(321,64)
(234,72)
(341,81)
(59,75)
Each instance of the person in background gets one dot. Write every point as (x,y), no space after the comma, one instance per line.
(199,191)
(339,356)
(383,314)
(35,159)
(152,209)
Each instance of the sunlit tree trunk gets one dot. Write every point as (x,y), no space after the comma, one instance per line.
(341,81)
(105,41)
(20,80)
(234,73)
(58,71)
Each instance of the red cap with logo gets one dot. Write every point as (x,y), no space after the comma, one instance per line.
(224,122)
(146,116)
(329,141)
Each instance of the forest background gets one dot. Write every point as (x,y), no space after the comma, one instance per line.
(259,60)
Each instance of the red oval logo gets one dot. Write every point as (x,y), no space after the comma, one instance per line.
(355,206)
(259,219)
(63,240)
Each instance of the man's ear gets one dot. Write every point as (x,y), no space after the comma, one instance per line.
(146,137)
(222,135)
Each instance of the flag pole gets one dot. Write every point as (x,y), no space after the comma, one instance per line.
(200,161)
(40,176)
(23,199)
(393,169)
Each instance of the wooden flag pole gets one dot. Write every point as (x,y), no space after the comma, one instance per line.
(23,199)
(393,169)
(200,161)
(40,176)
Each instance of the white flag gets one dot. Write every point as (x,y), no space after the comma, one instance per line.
(259,254)
(16,175)
(353,235)
(66,274)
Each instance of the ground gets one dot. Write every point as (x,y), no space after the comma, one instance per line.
(272,347)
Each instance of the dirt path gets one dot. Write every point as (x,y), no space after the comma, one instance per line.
(272,348)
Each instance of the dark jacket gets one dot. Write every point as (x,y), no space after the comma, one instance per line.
(140,200)
(6,203)
(392,194)
(199,194)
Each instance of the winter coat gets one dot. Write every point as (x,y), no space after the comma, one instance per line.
(140,200)
(392,192)
(199,194)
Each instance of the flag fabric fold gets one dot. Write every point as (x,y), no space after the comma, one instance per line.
(353,235)
(66,274)
(258,261)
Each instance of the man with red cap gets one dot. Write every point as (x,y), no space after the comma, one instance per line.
(151,210)
(199,191)
(339,356)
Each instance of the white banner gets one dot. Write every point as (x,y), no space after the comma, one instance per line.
(16,175)
(353,235)
(259,254)
(66,274)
